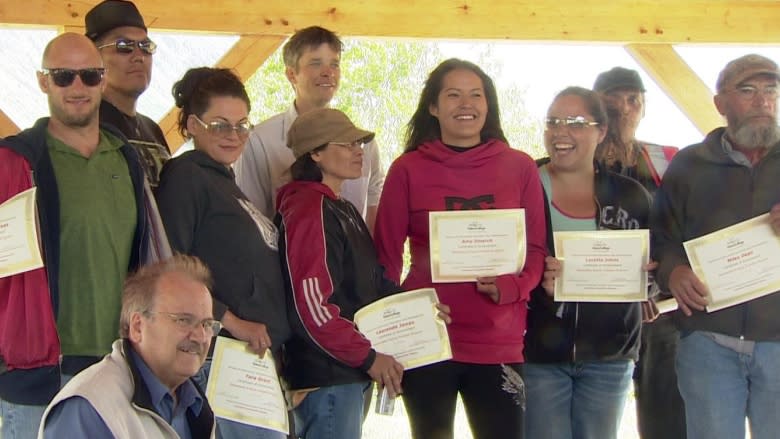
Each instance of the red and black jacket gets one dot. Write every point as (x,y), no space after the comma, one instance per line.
(331,271)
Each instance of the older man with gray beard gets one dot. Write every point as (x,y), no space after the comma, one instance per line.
(728,360)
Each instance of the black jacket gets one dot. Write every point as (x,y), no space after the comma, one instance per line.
(591,331)
(206,215)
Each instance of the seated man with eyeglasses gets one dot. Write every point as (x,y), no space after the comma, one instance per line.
(119,33)
(143,388)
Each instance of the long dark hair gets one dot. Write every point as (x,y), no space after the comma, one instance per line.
(424,127)
(193,92)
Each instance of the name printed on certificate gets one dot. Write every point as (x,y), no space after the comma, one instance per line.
(245,388)
(19,249)
(407,327)
(602,266)
(466,244)
(738,263)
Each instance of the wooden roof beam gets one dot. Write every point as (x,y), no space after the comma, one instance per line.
(683,86)
(637,21)
(7,126)
(246,56)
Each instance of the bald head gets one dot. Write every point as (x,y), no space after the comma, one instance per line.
(73,100)
(71,50)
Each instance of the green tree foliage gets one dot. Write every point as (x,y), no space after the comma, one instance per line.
(381,80)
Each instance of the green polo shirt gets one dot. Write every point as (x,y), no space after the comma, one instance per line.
(97,225)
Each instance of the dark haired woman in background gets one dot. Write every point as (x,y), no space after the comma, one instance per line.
(206,215)
(457,158)
(580,356)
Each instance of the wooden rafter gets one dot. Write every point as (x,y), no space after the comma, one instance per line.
(625,21)
(683,86)
(245,57)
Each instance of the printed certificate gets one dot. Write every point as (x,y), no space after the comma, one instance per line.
(19,250)
(602,266)
(245,388)
(738,263)
(466,244)
(406,326)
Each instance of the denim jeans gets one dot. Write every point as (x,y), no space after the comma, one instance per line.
(721,386)
(227,429)
(22,421)
(333,412)
(582,400)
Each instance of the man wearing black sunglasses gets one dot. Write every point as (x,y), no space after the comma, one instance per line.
(119,32)
(91,212)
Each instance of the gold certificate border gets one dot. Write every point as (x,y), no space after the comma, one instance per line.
(692,245)
(422,294)
(31,227)
(435,218)
(636,296)
(222,345)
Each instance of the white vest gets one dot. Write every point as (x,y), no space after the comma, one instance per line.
(108,386)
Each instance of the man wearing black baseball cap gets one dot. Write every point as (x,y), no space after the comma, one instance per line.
(119,32)
(660,410)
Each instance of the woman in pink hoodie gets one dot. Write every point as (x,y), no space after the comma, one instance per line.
(457,158)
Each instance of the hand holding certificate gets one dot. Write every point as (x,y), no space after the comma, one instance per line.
(406,326)
(738,263)
(602,266)
(19,251)
(245,388)
(466,244)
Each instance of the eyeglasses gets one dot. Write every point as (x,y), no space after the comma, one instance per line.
(224,129)
(189,322)
(749,92)
(126,46)
(352,146)
(571,122)
(65,77)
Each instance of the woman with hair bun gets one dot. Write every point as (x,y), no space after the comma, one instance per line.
(207,215)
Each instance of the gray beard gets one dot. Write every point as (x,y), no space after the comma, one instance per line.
(754,137)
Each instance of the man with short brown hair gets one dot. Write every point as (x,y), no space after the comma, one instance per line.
(312,58)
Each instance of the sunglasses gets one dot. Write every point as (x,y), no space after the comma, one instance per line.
(126,46)
(224,129)
(573,122)
(65,77)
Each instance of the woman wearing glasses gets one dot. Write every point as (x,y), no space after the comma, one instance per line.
(580,356)
(332,270)
(457,158)
(206,215)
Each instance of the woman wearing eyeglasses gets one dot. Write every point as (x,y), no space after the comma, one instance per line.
(206,215)
(457,158)
(331,271)
(580,356)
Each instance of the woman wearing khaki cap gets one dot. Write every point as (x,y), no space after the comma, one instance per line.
(331,271)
